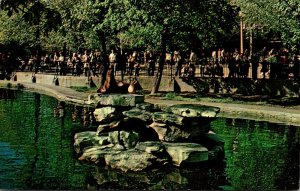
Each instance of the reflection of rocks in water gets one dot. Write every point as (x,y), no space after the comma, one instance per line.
(109,178)
(59,111)
(196,178)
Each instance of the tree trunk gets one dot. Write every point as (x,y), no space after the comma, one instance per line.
(38,48)
(104,54)
(64,46)
(162,58)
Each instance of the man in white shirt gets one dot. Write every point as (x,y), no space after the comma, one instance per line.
(113,61)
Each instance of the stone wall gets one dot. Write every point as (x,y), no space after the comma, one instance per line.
(248,87)
(167,84)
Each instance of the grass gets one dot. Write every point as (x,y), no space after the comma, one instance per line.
(188,97)
(196,98)
(177,97)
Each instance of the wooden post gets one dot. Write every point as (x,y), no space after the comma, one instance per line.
(241,36)
(251,42)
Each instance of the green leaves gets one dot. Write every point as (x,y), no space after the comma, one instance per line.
(280,16)
(79,22)
(15,29)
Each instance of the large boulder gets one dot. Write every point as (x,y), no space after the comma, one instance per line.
(139,114)
(145,106)
(152,147)
(86,139)
(130,124)
(126,139)
(172,133)
(133,160)
(186,153)
(193,110)
(104,128)
(107,114)
(169,133)
(95,154)
(115,99)
(178,120)
(168,118)
(123,124)
(161,130)
(176,134)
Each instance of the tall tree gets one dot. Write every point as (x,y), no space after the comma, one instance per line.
(159,23)
(38,15)
(280,16)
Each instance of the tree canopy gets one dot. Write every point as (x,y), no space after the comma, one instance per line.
(280,16)
(126,23)
(94,24)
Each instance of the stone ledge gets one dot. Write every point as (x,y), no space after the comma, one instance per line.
(115,99)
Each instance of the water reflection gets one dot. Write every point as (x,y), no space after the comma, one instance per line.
(259,154)
(36,152)
(7,94)
(204,177)
(59,110)
(84,115)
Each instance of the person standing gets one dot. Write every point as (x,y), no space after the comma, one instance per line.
(192,63)
(77,64)
(122,61)
(136,63)
(254,65)
(61,64)
(93,60)
(178,63)
(169,63)
(113,61)
(56,62)
(231,66)
(264,67)
(151,63)
(85,61)
(272,60)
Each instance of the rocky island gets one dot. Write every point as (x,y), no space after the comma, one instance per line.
(135,136)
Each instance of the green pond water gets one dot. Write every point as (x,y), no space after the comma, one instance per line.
(36,152)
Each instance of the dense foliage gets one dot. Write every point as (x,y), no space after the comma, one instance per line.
(118,23)
(282,17)
(93,24)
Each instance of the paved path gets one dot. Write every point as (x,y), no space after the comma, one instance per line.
(61,93)
(272,113)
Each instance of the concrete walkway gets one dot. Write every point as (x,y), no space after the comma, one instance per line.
(271,113)
(61,93)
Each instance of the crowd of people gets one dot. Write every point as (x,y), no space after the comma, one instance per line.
(272,63)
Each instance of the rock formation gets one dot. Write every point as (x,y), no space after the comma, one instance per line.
(133,136)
